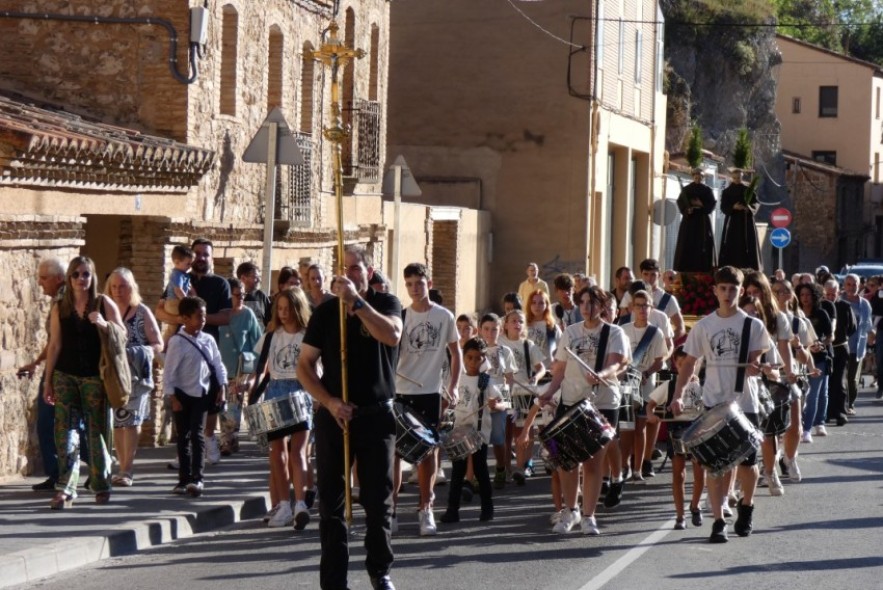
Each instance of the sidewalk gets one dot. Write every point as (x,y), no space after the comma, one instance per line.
(36,542)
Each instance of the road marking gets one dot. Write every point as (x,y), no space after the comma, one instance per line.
(631,556)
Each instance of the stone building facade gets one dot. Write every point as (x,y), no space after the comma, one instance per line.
(103,152)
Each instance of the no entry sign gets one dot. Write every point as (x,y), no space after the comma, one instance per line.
(780,217)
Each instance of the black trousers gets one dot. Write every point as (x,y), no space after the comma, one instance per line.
(372,443)
(458,474)
(853,372)
(190,424)
(836,393)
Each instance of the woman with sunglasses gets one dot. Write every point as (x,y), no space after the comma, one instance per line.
(73,382)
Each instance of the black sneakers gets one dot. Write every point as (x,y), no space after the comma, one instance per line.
(647,469)
(743,524)
(450,516)
(614,495)
(719,532)
(382,583)
(696,516)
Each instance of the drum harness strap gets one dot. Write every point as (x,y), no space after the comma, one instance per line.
(213,376)
(644,345)
(261,385)
(743,355)
(527,365)
(483,380)
(602,348)
(663,302)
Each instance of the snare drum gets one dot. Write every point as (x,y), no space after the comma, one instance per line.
(779,419)
(576,436)
(461,442)
(414,439)
(278,417)
(721,438)
(626,422)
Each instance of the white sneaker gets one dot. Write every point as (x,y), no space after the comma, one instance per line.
(393,525)
(556,516)
(440,478)
(283,516)
(776,488)
(807,437)
(301,516)
(589,526)
(820,430)
(569,519)
(427,523)
(271,513)
(726,511)
(415,477)
(793,470)
(212,450)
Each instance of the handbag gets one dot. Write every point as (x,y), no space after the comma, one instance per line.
(116,375)
(214,386)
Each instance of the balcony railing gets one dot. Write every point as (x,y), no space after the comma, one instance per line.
(294,194)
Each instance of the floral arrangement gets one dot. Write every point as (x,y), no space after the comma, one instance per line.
(695,293)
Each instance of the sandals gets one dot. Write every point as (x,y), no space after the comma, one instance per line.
(61,501)
(124,480)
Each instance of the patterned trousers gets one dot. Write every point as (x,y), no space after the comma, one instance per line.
(81,399)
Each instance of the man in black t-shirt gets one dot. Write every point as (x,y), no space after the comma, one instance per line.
(255,299)
(215,291)
(373,331)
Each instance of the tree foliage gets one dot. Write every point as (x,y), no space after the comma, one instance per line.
(742,150)
(853,27)
(694,147)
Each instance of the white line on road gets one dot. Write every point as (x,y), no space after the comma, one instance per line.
(632,555)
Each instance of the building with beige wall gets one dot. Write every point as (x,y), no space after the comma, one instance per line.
(829,106)
(516,118)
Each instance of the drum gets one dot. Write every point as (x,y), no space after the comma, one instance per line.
(275,418)
(461,442)
(414,439)
(779,419)
(576,436)
(630,382)
(522,402)
(721,438)
(626,422)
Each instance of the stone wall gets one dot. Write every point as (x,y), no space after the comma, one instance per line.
(24,241)
(814,193)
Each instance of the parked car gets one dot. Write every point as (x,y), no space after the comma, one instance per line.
(863,268)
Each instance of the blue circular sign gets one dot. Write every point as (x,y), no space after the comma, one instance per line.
(780,237)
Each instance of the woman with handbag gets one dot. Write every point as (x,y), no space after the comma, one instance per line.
(237,343)
(73,381)
(143,343)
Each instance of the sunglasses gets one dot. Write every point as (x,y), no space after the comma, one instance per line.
(77,274)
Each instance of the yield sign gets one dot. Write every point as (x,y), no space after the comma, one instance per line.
(287,151)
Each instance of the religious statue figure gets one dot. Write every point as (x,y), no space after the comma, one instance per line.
(695,247)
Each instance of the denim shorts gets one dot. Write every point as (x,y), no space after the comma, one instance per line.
(498,427)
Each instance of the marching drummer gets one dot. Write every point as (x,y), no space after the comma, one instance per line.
(478,396)
(603,347)
(731,343)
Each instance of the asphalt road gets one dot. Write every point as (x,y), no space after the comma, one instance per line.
(826,532)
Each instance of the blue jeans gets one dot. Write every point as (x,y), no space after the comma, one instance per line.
(46,436)
(816,409)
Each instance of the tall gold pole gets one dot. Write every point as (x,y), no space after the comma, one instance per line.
(335,55)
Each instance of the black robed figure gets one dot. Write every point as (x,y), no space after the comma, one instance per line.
(739,244)
(695,247)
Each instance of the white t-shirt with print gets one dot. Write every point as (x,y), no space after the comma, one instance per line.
(538,333)
(718,340)
(517,348)
(466,410)
(284,351)
(656,349)
(584,342)
(422,354)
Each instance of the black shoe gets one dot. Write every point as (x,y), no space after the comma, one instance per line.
(657,454)
(743,523)
(486,514)
(466,494)
(614,495)
(605,486)
(647,469)
(310,498)
(719,532)
(842,420)
(44,486)
(450,516)
(696,516)
(86,483)
(783,467)
(382,583)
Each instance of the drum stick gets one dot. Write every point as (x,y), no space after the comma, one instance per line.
(406,378)
(741,366)
(588,369)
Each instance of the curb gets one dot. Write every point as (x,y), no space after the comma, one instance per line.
(35,563)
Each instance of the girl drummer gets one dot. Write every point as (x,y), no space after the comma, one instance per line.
(479,395)
(288,460)
(604,348)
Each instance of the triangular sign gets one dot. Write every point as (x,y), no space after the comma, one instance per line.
(410,188)
(287,151)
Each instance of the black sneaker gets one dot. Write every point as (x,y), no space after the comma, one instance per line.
(719,532)
(44,486)
(450,516)
(466,494)
(783,468)
(614,495)
(647,469)
(382,583)
(486,514)
(656,454)
(696,516)
(743,524)
(310,497)
(605,486)
(879,394)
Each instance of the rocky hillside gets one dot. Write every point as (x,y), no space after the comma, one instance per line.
(723,77)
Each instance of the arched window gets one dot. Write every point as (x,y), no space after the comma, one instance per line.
(306,89)
(229,58)
(274,68)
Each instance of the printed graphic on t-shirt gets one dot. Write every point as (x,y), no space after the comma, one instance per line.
(726,343)
(286,357)
(586,347)
(424,337)
(495,361)
(538,335)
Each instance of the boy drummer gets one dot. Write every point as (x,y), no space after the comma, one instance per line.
(718,338)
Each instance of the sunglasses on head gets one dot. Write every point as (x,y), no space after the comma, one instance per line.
(77,274)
